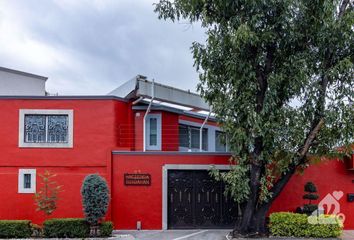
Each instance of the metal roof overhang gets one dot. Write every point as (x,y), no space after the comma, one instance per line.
(169,94)
(140,87)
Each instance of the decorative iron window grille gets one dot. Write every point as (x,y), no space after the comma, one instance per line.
(46,128)
(27,180)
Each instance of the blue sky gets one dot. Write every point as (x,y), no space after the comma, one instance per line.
(93,46)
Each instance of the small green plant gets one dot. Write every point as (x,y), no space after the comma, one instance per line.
(46,198)
(95,200)
(286,224)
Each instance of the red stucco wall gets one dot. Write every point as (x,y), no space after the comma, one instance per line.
(95,133)
(101,126)
(96,124)
(328,176)
(144,203)
(169,130)
(16,205)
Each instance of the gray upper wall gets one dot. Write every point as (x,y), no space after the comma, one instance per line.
(17,83)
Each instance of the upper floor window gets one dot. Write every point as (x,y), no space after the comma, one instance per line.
(220,141)
(189,138)
(46,128)
(153,132)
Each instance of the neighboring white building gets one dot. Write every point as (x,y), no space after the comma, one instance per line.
(17,83)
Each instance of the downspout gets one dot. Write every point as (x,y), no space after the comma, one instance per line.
(146,113)
(201,132)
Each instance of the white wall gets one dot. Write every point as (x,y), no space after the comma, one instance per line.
(17,83)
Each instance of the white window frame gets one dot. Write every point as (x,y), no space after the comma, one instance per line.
(159,137)
(21,138)
(226,140)
(211,135)
(21,187)
(190,149)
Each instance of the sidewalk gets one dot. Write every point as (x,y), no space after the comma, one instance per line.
(348,235)
(196,234)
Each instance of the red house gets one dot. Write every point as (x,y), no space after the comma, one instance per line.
(152,143)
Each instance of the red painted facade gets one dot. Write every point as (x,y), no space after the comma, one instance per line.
(103,125)
(329,176)
(144,203)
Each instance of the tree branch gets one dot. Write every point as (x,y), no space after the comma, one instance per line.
(309,140)
(280,184)
(342,8)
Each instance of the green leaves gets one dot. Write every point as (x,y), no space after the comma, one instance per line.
(272,70)
(95,198)
(237,183)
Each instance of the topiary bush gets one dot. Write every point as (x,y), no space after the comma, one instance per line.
(95,198)
(287,224)
(15,229)
(311,190)
(66,228)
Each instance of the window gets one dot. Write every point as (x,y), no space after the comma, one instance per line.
(189,138)
(27,180)
(153,132)
(220,139)
(46,128)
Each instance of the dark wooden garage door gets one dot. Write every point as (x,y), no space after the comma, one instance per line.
(196,200)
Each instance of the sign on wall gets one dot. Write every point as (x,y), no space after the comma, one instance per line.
(137,179)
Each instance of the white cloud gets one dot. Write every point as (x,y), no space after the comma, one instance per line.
(90,47)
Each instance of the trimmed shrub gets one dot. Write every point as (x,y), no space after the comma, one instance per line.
(310,195)
(287,224)
(66,228)
(15,229)
(73,228)
(95,198)
(309,208)
(106,229)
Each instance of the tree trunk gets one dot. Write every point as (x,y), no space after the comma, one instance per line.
(259,220)
(244,226)
(257,224)
(254,220)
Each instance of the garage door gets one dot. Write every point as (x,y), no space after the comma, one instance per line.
(196,200)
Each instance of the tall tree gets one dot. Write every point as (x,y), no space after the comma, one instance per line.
(279,76)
